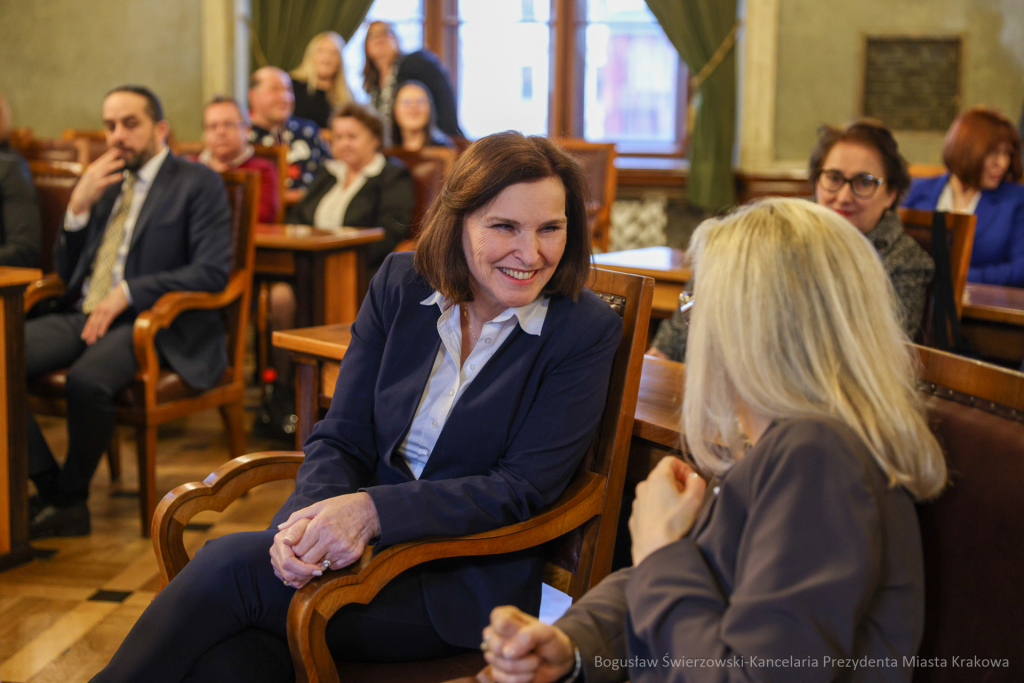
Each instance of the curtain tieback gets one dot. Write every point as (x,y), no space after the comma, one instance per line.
(717,58)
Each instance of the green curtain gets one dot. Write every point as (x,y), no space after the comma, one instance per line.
(282,28)
(697,29)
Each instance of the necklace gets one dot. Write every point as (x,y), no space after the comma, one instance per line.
(469,323)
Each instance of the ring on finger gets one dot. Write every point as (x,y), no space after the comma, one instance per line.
(326,565)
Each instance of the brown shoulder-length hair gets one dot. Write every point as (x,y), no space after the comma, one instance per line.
(371,76)
(974,134)
(869,133)
(480,173)
(365,116)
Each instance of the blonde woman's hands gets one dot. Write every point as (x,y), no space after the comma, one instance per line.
(522,649)
(666,506)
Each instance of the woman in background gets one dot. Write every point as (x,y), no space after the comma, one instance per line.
(387,66)
(857,172)
(319,81)
(359,187)
(809,548)
(983,155)
(414,124)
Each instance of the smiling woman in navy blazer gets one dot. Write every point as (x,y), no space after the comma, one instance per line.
(983,154)
(473,386)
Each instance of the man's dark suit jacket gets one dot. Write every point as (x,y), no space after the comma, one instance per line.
(386,200)
(803,554)
(181,242)
(510,446)
(20,231)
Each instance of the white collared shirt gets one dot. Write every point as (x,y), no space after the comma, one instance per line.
(330,212)
(144,180)
(945,202)
(448,381)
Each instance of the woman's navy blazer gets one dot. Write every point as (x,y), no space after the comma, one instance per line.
(998,256)
(509,447)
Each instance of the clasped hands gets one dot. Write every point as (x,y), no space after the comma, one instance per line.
(521,649)
(337,529)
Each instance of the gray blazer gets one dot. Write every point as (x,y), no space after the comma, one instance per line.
(804,558)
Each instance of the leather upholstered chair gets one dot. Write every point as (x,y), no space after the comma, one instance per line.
(578,529)
(429,167)
(158,394)
(54,182)
(973,533)
(598,162)
(960,233)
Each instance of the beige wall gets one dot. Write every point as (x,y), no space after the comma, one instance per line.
(59,57)
(820,52)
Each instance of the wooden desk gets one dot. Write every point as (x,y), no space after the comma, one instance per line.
(993,321)
(14,547)
(318,352)
(327,267)
(667,266)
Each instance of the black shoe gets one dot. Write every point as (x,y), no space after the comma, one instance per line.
(35,505)
(55,521)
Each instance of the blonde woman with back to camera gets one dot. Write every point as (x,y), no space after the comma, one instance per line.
(807,553)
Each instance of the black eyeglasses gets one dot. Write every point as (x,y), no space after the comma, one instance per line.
(686,305)
(864,185)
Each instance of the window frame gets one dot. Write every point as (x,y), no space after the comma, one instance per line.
(566,95)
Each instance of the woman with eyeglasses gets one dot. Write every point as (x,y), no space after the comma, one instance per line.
(982,153)
(857,172)
(414,123)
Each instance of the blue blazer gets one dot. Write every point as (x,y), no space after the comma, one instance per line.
(510,446)
(998,256)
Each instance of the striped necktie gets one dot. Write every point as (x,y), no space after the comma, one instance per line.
(106,255)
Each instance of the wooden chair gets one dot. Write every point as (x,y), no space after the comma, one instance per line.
(92,143)
(189,148)
(158,394)
(278,154)
(19,137)
(926,170)
(429,168)
(598,161)
(579,528)
(972,533)
(64,151)
(54,181)
(960,232)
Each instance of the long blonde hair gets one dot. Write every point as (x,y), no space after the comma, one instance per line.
(796,317)
(339,93)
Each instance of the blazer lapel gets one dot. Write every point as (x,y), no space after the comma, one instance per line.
(416,366)
(160,189)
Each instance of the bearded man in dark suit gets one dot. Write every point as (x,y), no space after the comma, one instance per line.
(141,222)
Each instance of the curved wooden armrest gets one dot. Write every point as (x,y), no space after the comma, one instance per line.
(47,287)
(314,604)
(165,310)
(216,492)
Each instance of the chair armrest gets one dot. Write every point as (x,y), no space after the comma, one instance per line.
(162,314)
(314,604)
(216,492)
(47,287)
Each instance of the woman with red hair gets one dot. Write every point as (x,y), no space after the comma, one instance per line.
(983,155)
